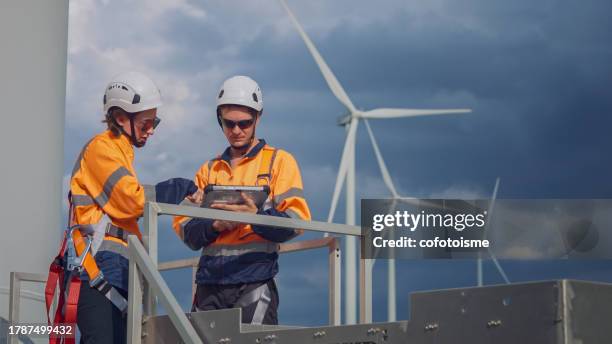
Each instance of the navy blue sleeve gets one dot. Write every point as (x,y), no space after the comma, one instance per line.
(174,190)
(199,233)
(274,234)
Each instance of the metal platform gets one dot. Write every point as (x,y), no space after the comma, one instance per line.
(553,312)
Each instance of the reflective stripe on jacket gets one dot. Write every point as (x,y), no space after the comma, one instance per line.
(246,253)
(104,182)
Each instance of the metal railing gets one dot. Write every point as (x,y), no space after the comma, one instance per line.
(145,279)
(333,253)
(15,296)
(140,263)
(143,260)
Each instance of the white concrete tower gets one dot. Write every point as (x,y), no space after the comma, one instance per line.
(34,38)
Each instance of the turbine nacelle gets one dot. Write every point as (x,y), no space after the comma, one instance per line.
(346,119)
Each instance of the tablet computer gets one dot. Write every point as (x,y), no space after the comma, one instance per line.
(230,194)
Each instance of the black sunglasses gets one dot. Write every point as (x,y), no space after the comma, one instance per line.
(154,123)
(244,124)
(146,125)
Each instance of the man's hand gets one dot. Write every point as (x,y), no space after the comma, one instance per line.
(246,206)
(197,197)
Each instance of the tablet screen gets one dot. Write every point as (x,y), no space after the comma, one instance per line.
(231,194)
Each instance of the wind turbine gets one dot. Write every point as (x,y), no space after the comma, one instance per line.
(346,171)
(479,272)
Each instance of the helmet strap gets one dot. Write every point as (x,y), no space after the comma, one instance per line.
(219,117)
(110,118)
(133,136)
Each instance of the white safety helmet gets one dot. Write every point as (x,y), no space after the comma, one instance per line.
(132,92)
(240,90)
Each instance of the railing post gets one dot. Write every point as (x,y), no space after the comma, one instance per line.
(134,325)
(335,282)
(14,304)
(365,290)
(15,298)
(150,243)
(140,259)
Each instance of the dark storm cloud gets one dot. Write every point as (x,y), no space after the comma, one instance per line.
(536,75)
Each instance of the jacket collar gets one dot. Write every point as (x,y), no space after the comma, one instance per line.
(250,154)
(124,143)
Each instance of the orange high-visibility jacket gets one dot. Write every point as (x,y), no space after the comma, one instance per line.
(246,253)
(104,182)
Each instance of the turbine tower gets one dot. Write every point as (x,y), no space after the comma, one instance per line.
(346,171)
(34,36)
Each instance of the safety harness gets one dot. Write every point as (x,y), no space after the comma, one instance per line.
(75,256)
(265,168)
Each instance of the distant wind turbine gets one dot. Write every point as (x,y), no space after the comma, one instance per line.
(346,171)
(479,273)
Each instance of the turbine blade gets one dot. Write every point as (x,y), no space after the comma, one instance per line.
(495,188)
(492,204)
(396,113)
(349,145)
(498,266)
(329,76)
(381,163)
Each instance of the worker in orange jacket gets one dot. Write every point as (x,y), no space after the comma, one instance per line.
(239,261)
(104,182)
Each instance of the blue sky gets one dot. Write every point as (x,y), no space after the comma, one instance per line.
(536,74)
